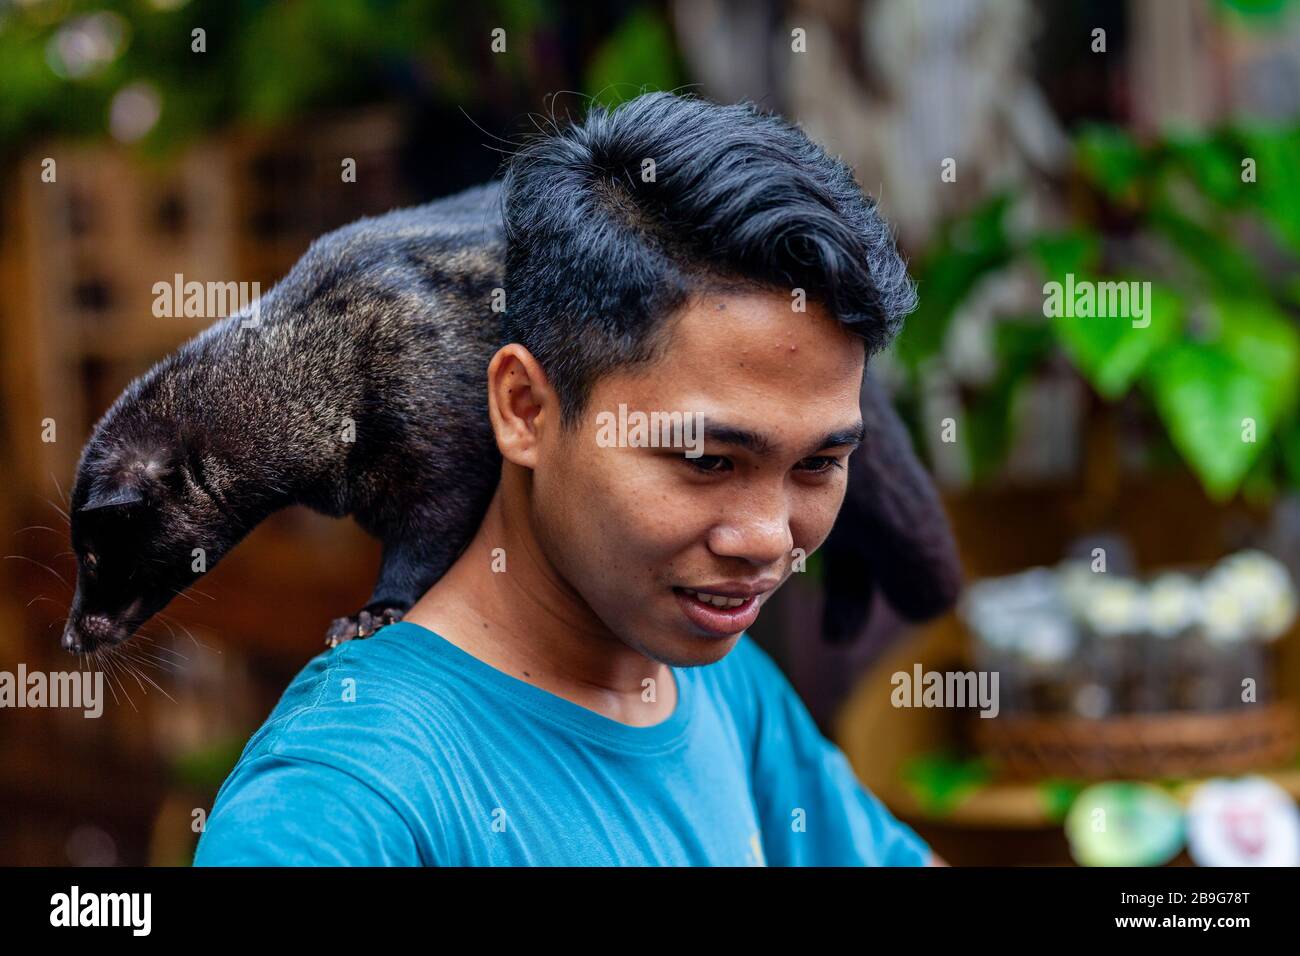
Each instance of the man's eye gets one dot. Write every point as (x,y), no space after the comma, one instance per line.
(710,464)
(820,465)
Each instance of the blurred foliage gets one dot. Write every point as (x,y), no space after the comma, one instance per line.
(268,61)
(1213,223)
(640,55)
(940,780)
(1255,8)
(1222,343)
(1057,796)
(203,769)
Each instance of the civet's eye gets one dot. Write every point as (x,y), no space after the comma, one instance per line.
(92,560)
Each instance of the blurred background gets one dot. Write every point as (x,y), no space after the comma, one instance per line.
(1124,497)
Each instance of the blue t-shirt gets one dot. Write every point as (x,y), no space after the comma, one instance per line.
(404,749)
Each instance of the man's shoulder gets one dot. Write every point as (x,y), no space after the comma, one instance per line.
(356,700)
(362,738)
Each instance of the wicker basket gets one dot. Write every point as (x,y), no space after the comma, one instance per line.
(1178,744)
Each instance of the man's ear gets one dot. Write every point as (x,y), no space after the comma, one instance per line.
(891,531)
(521,403)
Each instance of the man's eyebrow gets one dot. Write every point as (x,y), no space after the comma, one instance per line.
(852,435)
(760,444)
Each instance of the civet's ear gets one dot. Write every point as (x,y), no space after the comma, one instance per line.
(119,496)
(891,532)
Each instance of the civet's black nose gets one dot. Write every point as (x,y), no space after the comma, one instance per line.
(71,642)
(88,632)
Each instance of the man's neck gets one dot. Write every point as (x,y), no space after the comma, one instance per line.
(522,618)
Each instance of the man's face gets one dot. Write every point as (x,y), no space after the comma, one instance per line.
(634,530)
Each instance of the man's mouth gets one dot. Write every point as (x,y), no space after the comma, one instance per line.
(719,615)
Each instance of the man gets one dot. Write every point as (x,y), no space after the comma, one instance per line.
(578,688)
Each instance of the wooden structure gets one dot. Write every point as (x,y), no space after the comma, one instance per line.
(79,257)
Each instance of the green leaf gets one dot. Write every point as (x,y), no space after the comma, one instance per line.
(1264,340)
(1059,253)
(1111,352)
(1213,164)
(941,781)
(1260,9)
(1277,156)
(1223,263)
(1020,347)
(1112,159)
(1058,796)
(639,56)
(967,249)
(1203,394)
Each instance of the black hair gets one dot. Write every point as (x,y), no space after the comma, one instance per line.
(597,256)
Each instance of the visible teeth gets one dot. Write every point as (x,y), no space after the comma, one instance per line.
(717,600)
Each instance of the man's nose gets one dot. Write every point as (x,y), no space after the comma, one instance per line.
(760,536)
